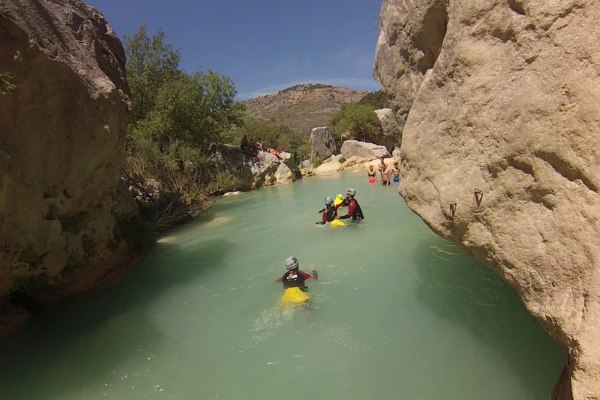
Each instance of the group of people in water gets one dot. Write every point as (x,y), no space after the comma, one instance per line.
(387,175)
(295,290)
(330,212)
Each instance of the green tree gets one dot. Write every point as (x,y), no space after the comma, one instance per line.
(359,120)
(150,63)
(192,110)
(376,100)
(270,134)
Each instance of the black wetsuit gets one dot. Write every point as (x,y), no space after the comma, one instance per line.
(295,278)
(354,211)
(328,213)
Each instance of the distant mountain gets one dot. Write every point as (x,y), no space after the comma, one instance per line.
(302,107)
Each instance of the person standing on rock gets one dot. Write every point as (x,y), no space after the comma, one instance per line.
(354,210)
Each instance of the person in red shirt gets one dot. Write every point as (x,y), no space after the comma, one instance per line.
(354,210)
(294,277)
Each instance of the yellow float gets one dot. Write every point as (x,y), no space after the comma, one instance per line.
(339,199)
(293,297)
(338,223)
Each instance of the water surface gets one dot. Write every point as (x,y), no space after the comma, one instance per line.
(397,313)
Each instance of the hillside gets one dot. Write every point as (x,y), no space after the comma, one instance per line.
(302,107)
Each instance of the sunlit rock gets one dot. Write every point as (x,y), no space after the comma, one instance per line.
(352,148)
(321,143)
(501,148)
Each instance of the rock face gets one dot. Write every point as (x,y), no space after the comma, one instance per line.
(321,142)
(352,148)
(252,171)
(62,148)
(500,103)
(392,134)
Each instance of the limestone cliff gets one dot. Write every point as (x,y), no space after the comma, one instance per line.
(62,144)
(501,149)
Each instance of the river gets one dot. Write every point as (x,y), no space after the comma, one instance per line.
(398,313)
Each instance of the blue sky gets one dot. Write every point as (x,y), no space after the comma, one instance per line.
(262,45)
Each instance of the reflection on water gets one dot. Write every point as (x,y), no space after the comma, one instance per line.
(397,313)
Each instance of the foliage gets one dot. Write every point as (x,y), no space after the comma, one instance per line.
(317,160)
(225,181)
(193,110)
(359,120)
(270,134)
(306,86)
(6,85)
(376,100)
(178,116)
(168,185)
(150,63)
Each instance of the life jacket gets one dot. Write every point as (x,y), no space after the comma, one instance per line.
(293,278)
(357,211)
(331,213)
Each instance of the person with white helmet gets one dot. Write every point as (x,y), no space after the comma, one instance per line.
(354,210)
(294,277)
(328,213)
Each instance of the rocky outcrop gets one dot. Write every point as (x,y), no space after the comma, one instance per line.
(62,148)
(330,166)
(321,143)
(252,172)
(352,148)
(392,133)
(501,149)
(284,175)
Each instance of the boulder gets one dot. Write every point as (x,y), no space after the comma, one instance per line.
(322,143)
(355,161)
(352,148)
(328,168)
(252,171)
(500,107)
(62,149)
(392,133)
(284,174)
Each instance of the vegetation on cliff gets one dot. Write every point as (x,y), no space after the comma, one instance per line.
(176,117)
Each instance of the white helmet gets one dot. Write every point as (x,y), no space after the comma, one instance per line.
(291,263)
(328,201)
(351,192)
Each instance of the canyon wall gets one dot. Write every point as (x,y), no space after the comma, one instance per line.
(499,101)
(63,209)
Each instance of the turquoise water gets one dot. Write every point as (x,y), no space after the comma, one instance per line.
(397,313)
